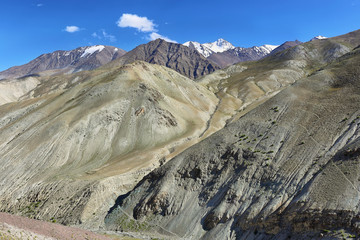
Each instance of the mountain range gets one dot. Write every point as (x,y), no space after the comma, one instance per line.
(162,143)
(223,53)
(187,61)
(79,59)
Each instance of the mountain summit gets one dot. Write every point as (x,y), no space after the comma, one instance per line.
(182,59)
(318,38)
(207,49)
(220,45)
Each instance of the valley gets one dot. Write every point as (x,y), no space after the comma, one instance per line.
(164,142)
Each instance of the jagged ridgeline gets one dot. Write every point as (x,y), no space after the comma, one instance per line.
(265,149)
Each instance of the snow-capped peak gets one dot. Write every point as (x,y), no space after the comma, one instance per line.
(206,49)
(90,50)
(203,50)
(220,45)
(318,38)
(267,48)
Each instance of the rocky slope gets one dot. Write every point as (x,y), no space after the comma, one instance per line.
(286,169)
(182,59)
(286,45)
(72,144)
(83,58)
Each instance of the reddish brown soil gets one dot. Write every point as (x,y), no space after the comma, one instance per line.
(45,229)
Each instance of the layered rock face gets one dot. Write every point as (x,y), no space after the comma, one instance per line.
(286,169)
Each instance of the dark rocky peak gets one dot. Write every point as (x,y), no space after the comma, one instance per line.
(173,55)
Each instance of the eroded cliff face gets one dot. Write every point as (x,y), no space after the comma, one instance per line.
(288,168)
(68,152)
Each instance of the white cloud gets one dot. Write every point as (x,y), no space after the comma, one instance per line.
(95,35)
(72,29)
(39,5)
(142,24)
(154,36)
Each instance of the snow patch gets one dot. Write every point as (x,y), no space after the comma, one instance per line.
(203,50)
(90,50)
(267,48)
(318,38)
(221,45)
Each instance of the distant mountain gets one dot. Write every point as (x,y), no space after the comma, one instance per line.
(286,45)
(79,59)
(223,53)
(239,54)
(318,38)
(207,49)
(175,56)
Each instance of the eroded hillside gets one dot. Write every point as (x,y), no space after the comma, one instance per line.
(264,149)
(286,169)
(67,152)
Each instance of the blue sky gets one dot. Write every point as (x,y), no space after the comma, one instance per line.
(29,28)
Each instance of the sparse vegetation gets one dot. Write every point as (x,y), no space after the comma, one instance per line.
(132,225)
(275,109)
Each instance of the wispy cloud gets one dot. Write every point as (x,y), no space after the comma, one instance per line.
(154,36)
(142,24)
(109,37)
(104,35)
(39,5)
(72,29)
